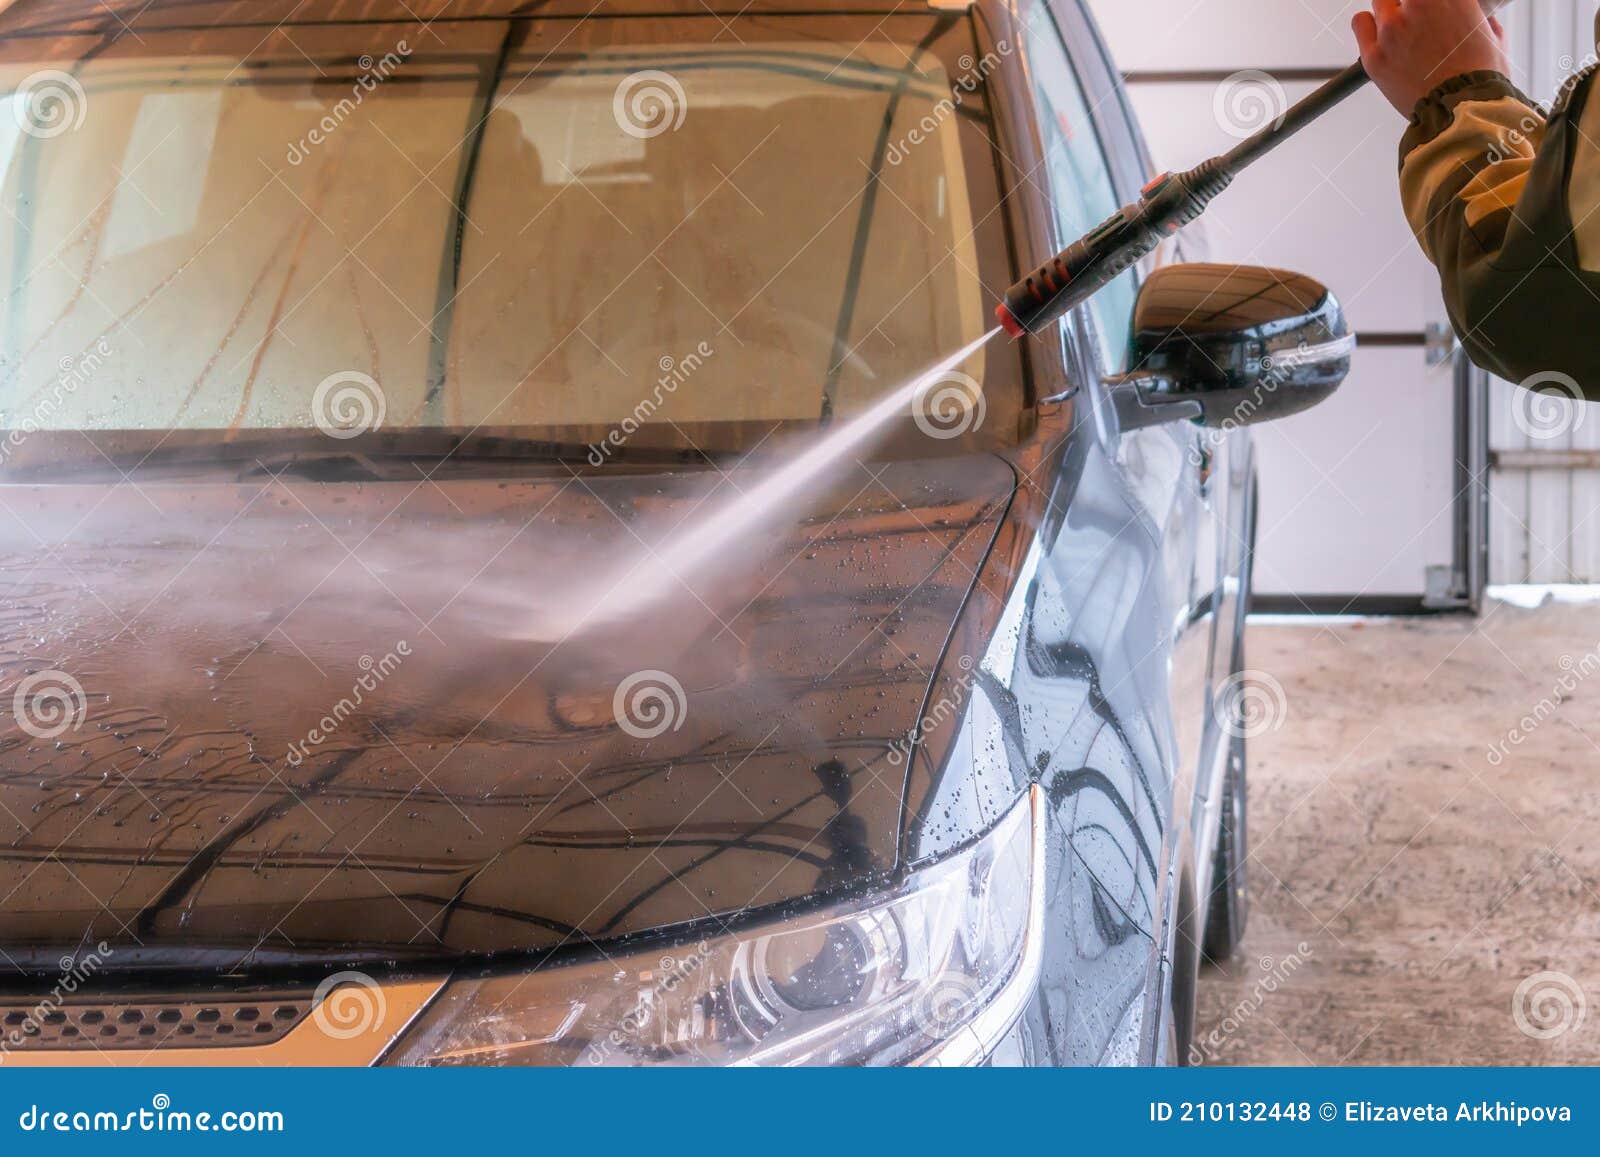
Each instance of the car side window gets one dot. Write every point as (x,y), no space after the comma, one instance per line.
(1079,176)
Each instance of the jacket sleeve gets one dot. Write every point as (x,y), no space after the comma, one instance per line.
(1464,167)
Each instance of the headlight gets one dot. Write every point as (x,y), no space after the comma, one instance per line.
(932,973)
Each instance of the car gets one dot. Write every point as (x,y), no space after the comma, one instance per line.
(490,577)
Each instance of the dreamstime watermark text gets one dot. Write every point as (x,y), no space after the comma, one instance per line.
(674,373)
(72,374)
(671,973)
(934,717)
(1573,672)
(376,671)
(159,1117)
(373,74)
(75,972)
(1275,973)
(973,74)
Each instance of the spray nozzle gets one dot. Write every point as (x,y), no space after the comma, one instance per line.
(1083,268)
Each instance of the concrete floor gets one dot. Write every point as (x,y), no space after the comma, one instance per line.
(1405,881)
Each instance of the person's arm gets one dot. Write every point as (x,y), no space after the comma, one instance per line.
(1465,159)
(1464,166)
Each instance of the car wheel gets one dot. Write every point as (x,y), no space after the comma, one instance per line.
(1229,906)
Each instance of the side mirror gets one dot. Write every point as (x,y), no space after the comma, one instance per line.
(1231,345)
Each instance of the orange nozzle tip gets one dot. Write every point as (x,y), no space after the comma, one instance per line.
(1008,321)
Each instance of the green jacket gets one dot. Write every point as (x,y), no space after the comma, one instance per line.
(1505,200)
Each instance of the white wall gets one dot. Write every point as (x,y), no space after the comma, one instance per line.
(1357,495)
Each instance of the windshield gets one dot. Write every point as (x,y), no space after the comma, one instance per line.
(687,229)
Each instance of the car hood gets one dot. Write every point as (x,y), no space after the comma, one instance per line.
(266,720)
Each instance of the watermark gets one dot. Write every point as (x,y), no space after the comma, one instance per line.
(1249,101)
(670,974)
(49,103)
(649,103)
(973,75)
(75,971)
(1251,704)
(1516,142)
(377,670)
(1573,672)
(1548,405)
(949,406)
(1548,1005)
(373,74)
(348,1005)
(946,1005)
(1276,370)
(48,704)
(72,374)
(674,373)
(160,1117)
(935,716)
(1275,973)
(649,703)
(348,404)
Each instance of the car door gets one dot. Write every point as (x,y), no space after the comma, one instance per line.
(1159,670)
(1224,458)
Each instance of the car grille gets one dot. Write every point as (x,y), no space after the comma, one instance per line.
(147,1023)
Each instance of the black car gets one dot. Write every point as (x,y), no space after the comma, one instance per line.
(489,577)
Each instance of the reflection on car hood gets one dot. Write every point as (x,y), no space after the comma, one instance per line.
(282,721)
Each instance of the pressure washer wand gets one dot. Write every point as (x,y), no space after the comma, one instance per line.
(1165,206)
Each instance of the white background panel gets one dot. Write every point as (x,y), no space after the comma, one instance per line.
(1326,203)
(1196,34)
(1344,507)
(1370,471)
(1356,494)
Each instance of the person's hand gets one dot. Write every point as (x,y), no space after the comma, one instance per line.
(1410,47)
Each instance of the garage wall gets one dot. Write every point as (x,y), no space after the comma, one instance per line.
(1544,486)
(1358,494)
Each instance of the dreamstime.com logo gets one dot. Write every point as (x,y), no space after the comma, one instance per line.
(1516,142)
(1275,973)
(674,372)
(1249,101)
(1251,704)
(649,103)
(973,74)
(670,974)
(1548,405)
(946,1005)
(348,404)
(72,374)
(1275,372)
(348,1005)
(950,406)
(160,1117)
(374,672)
(649,703)
(1547,1005)
(1573,672)
(49,103)
(934,717)
(48,704)
(373,73)
(75,971)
